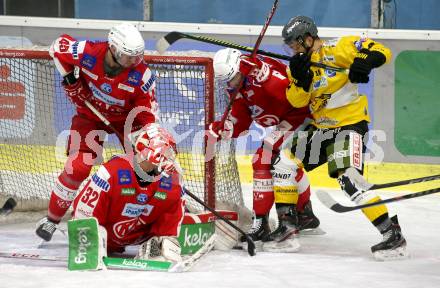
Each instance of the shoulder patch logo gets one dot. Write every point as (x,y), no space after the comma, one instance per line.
(124,177)
(134,77)
(88,61)
(101,183)
(146,87)
(165,183)
(75,50)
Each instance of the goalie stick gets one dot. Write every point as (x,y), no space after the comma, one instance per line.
(8,207)
(127,263)
(166,41)
(331,203)
(251,244)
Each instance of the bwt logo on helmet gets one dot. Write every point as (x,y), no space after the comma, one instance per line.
(293,26)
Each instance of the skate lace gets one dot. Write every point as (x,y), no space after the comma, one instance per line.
(49,227)
(391,235)
(256,225)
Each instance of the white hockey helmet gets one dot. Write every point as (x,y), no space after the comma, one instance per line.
(226,63)
(127,40)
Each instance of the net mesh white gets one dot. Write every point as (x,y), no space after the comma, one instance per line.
(35,116)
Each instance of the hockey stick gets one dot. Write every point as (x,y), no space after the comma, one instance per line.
(126,263)
(263,30)
(250,242)
(166,41)
(108,124)
(211,140)
(404,182)
(331,203)
(8,207)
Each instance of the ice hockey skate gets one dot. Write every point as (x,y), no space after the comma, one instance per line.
(45,229)
(308,223)
(260,230)
(284,238)
(393,246)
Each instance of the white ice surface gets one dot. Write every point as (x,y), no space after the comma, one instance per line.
(341,258)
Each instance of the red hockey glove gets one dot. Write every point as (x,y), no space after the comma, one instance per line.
(255,67)
(77,92)
(249,65)
(221,133)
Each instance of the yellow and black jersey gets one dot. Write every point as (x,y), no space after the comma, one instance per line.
(333,100)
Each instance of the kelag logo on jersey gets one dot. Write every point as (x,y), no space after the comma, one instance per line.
(88,61)
(165,183)
(134,77)
(124,177)
(160,195)
(142,198)
(107,88)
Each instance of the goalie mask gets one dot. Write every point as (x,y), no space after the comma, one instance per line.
(157,146)
(128,45)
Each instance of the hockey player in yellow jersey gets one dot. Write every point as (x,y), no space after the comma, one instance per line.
(340,116)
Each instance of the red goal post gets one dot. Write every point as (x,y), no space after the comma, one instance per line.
(35,117)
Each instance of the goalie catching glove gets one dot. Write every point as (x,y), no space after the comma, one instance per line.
(75,90)
(364,61)
(160,248)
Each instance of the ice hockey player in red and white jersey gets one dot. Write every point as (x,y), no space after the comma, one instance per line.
(114,79)
(260,86)
(138,200)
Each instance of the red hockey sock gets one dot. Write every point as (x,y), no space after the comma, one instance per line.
(263,192)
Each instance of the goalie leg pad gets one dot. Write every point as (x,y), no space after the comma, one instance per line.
(160,248)
(87,244)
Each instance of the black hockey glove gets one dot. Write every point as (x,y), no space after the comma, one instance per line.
(300,69)
(363,62)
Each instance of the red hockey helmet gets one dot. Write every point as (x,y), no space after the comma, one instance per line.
(157,146)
